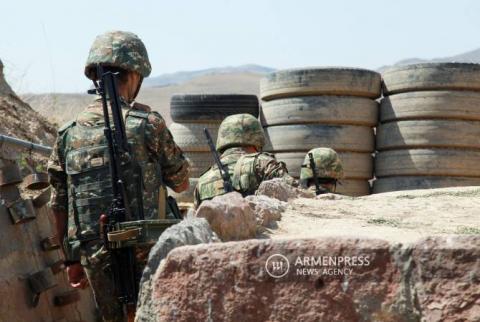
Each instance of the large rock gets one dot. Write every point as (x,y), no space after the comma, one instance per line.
(279,189)
(230,216)
(190,231)
(267,210)
(432,280)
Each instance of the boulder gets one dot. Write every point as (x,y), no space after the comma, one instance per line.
(326,279)
(230,216)
(279,189)
(267,210)
(190,231)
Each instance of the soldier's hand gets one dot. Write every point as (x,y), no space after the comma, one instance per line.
(76,276)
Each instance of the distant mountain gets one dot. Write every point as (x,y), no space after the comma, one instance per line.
(468,57)
(185,76)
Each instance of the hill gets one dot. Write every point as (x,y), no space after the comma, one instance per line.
(472,56)
(20,120)
(185,76)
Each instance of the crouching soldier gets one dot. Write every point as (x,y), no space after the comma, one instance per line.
(240,141)
(321,171)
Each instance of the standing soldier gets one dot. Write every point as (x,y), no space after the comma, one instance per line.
(240,141)
(328,168)
(79,171)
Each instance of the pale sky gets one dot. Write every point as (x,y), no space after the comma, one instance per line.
(44,44)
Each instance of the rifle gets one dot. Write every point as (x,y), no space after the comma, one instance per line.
(123,259)
(314,172)
(227,183)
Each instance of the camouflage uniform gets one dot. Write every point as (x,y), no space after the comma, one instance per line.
(79,175)
(247,170)
(328,167)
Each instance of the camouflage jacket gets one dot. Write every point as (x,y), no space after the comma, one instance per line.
(79,191)
(247,171)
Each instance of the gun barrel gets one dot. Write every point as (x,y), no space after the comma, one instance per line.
(25,145)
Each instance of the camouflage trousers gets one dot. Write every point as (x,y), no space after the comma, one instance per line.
(98,266)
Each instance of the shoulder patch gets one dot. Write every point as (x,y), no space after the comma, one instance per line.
(138,113)
(66,126)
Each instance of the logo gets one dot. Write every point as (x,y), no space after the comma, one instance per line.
(277,265)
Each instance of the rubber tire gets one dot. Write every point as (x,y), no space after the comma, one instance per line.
(423,162)
(321,109)
(199,162)
(353,138)
(211,108)
(190,136)
(186,196)
(421,182)
(431,105)
(428,134)
(353,188)
(321,81)
(355,165)
(431,76)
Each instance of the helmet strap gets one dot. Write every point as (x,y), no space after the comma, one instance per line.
(138,88)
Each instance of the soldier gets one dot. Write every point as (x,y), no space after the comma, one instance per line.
(240,141)
(80,177)
(328,168)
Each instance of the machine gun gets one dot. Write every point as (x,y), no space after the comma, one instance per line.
(227,183)
(123,259)
(314,172)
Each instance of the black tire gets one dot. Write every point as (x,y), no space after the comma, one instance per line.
(211,108)
(353,138)
(428,162)
(428,134)
(460,105)
(321,81)
(431,76)
(355,165)
(412,183)
(321,109)
(190,136)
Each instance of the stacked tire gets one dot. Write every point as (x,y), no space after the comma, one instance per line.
(323,107)
(429,131)
(191,114)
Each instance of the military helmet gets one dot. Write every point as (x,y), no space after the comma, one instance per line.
(118,49)
(240,130)
(327,165)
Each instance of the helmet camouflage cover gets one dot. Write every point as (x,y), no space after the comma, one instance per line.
(118,49)
(240,130)
(327,163)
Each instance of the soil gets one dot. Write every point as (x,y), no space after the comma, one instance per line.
(401,216)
